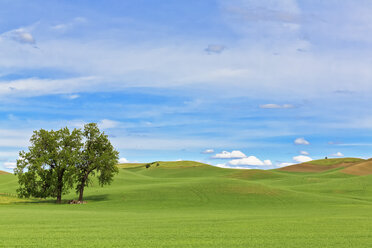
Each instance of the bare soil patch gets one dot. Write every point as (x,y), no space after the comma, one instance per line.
(308,167)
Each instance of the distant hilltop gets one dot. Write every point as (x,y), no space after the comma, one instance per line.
(352,166)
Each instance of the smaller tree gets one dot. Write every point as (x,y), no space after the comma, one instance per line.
(98,156)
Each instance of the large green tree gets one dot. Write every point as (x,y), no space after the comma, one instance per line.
(98,158)
(48,169)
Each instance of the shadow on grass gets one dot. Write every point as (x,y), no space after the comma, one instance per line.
(88,199)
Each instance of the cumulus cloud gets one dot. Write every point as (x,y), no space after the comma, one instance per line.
(107,124)
(208,151)
(123,161)
(276,106)
(302,159)
(338,154)
(301,141)
(227,166)
(251,160)
(304,153)
(215,49)
(227,155)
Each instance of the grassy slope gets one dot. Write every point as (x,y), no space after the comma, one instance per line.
(185,204)
(323,165)
(360,169)
(334,161)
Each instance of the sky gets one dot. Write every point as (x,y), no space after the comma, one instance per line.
(232,83)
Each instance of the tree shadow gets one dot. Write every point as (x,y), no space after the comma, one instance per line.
(91,198)
(96,198)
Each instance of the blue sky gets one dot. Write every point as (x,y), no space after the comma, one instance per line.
(233,83)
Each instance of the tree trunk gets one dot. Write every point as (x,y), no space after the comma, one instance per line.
(59,198)
(81,192)
(82,186)
(60,187)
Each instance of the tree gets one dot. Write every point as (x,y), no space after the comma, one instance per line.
(48,168)
(98,156)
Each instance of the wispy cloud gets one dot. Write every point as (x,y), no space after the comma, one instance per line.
(208,151)
(276,106)
(63,27)
(107,124)
(10,165)
(20,35)
(38,87)
(215,49)
(301,141)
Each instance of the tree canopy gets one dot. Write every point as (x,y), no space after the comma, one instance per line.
(58,160)
(98,157)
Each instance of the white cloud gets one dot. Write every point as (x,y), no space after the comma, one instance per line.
(72,97)
(208,151)
(215,49)
(251,161)
(301,141)
(276,106)
(304,153)
(107,124)
(246,163)
(284,164)
(10,165)
(15,137)
(227,166)
(123,161)
(227,155)
(338,154)
(69,25)
(302,159)
(268,162)
(20,35)
(37,87)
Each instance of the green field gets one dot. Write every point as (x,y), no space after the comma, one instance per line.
(188,204)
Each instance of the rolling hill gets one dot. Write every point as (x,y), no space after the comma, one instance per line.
(354,166)
(360,169)
(190,204)
(3,172)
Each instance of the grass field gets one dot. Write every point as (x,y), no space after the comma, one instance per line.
(188,204)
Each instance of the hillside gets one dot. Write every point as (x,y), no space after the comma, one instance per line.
(323,165)
(360,169)
(3,172)
(190,204)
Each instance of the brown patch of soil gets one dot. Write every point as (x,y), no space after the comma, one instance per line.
(360,169)
(308,167)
